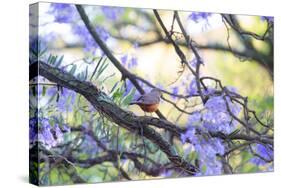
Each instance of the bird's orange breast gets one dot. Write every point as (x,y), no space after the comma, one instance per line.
(149,107)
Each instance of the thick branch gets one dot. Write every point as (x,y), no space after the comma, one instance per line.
(66,80)
(125,119)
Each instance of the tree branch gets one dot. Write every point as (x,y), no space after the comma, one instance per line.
(127,120)
(125,73)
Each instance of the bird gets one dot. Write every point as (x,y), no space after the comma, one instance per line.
(149,102)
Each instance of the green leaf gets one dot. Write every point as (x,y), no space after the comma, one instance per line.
(103,66)
(128,98)
(79,76)
(86,73)
(73,69)
(49,58)
(114,87)
(96,68)
(54,176)
(44,91)
(234,133)
(53,60)
(42,52)
(34,91)
(117,94)
(58,63)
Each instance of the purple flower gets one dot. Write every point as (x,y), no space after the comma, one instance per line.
(86,38)
(124,59)
(192,90)
(88,145)
(63,13)
(103,34)
(160,86)
(33,129)
(213,168)
(218,145)
(190,135)
(40,130)
(209,91)
(207,150)
(135,45)
(39,90)
(129,87)
(268,18)
(265,153)
(195,118)
(197,16)
(66,100)
(89,44)
(193,62)
(175,91)
(58,133)
(133,62)
(216,104)
(216,116)
(51,91)
(112,13)
(45,135)
(257,161)
(167,173)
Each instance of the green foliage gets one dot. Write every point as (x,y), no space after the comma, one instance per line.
(129,97)
(38,49)
(99,69)
(55,60)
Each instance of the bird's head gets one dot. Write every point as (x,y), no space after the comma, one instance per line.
(156,91)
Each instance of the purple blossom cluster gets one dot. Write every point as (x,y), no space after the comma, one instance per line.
(112,13)
(87,40)
(175,91)
(63,13)
(40,130)
(129,62)
(89,145)
(264,154)
(215,117)
(267,18)
(197,16)
(65,98)
(128,88)
(207,148)
(192,89)
(67,13)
